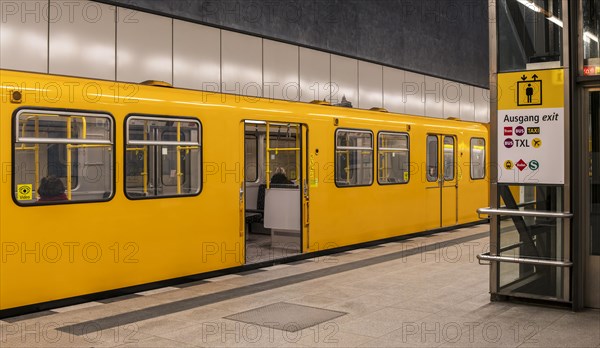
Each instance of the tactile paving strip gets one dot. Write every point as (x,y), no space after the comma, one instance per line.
(286,316)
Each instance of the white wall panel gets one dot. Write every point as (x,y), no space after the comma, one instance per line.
(315,75)
(24,35)
(412,92)
(451,95)
(467,103)
(393,80)
(241,64)
(434,103)
(482,105)
(370,85)
(196,56)
(344,80)
(281,75)
(82,39)
(144,47)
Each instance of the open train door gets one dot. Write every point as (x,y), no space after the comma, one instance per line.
(274,189)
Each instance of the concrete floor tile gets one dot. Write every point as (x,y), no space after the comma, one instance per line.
(77,307)
(370,284)
(541,316)
(228,333)
(156,342)
(42,337)
(199,315)
(157,326)
(376,300)
(245,303)
(396,315)
(475,311)
(329,335)
(403,337)
(314,300)
(222,278)
(571,330)
(422,304)
(369,327)
(341,293)
(355,309)
(197,334)
(484,334)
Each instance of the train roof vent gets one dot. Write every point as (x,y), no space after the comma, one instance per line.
(157,83)
(321,102)
(379,109)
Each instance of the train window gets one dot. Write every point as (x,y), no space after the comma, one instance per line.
(251,148)
(162,157)
(353,158)
(432,158)
(449,151)
(477,158)
(62,156)
(285,138)
(393,163)
(169,161)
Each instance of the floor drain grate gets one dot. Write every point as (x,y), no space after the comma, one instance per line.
(286,316)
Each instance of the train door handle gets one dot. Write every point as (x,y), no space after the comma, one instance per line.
(306,218)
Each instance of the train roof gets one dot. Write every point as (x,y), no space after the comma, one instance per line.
(65,89)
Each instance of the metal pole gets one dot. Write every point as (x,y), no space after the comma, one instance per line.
(493,177)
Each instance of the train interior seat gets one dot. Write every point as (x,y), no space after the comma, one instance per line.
(255,206)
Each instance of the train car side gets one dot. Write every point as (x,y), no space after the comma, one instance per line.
(124,235)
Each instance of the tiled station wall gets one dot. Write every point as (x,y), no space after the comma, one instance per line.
(96,40)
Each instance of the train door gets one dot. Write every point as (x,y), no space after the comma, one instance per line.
(449,183)
(592,233)
(274,190)
(441,188)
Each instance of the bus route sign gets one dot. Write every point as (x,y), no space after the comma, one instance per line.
(531,126)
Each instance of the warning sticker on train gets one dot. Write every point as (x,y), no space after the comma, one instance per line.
(531,127)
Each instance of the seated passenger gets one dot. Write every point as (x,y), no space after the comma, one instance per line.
(279,178)
(52,189)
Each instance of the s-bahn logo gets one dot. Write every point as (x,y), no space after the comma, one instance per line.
(534,165)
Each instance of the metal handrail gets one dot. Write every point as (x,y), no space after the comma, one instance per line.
(522,260)
(512,212)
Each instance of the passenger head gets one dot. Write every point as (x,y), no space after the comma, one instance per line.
(51,187)
(279,177)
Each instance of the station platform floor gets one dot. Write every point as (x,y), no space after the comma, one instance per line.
(427,291)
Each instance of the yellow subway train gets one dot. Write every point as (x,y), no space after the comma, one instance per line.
(109,186)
